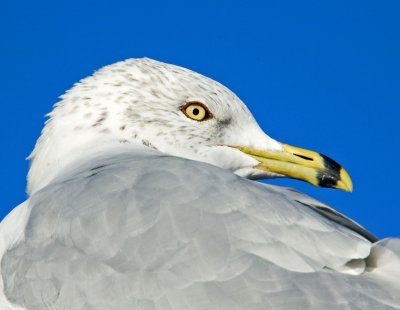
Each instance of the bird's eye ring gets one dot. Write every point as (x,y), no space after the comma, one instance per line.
(196,110)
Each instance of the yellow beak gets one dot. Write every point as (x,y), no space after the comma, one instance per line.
(297,163)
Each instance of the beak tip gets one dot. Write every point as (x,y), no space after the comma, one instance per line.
(345,182)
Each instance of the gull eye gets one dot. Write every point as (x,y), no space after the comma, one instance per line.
(196,111)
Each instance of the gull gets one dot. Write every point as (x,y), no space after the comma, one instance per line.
(143,195)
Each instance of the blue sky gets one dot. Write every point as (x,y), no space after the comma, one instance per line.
(322,75)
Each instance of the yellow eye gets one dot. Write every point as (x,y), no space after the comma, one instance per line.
(196,111)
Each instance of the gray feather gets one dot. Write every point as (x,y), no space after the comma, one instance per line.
(150,231)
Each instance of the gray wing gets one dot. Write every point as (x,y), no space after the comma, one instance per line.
(164,233)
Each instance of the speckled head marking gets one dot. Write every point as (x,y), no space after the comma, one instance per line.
(172,110)
(140,101)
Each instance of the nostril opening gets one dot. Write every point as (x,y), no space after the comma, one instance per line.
(304,157)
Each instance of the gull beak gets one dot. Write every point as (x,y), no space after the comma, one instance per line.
(305,165)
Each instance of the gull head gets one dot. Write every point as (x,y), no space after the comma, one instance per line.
(175,111)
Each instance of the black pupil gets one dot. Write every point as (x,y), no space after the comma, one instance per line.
(196,111)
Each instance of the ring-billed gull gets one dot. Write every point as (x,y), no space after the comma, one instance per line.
(140,199)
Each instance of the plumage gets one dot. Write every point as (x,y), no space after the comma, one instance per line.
(131,222)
